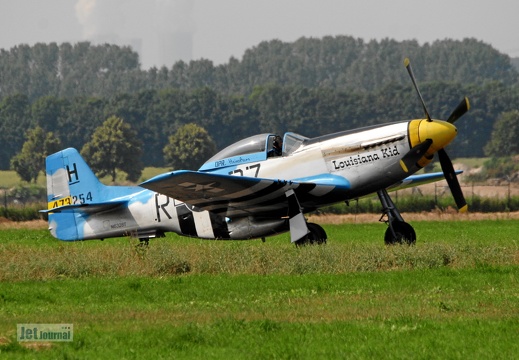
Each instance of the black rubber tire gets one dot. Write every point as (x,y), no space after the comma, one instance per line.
(316,236)
(404,232)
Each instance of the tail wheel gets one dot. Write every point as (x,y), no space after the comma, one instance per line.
(400,232)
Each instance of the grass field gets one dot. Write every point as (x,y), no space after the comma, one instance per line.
(453,295)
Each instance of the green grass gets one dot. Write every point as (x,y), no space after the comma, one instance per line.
(362,315)
(9,179)
(453,295)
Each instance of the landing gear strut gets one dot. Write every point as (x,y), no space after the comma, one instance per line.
(143,242)
(398,231)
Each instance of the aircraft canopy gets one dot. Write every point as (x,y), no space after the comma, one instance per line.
(252,149)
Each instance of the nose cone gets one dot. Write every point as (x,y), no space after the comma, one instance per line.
(440,132)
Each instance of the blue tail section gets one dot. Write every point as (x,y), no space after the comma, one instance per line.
(74,193)
(70,180)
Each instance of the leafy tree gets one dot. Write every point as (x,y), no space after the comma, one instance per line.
(499,167)
(47,112)
(15,119)
(189,147)
(31,160)
(80,120)
(503,141)
(114,146)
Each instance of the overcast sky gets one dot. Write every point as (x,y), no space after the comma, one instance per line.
(220,29)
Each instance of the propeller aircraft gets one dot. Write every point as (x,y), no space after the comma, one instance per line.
(243,192)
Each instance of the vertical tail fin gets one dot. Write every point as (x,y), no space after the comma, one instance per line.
(76,196)
(70,182)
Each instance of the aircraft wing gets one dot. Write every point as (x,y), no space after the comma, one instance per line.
(420,179)
(241,196)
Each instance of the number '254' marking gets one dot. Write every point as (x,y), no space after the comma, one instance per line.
(71,200)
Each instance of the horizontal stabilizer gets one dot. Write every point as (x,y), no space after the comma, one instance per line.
(88,208)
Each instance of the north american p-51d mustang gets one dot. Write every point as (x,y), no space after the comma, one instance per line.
(244,193)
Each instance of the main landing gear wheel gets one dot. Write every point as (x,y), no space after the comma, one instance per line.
(316,236)
(400,233)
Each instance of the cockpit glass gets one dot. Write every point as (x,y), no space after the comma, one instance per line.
(250,145)
(292,142)
(258,144)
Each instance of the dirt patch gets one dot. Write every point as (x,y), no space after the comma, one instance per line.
(423,216)
(6,224)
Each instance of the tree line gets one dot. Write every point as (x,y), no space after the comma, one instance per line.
(341,62)
(311,86)
(157,114)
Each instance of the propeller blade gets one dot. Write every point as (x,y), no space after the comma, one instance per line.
(462,108)
(407,64)
(414,155)
(452,180)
